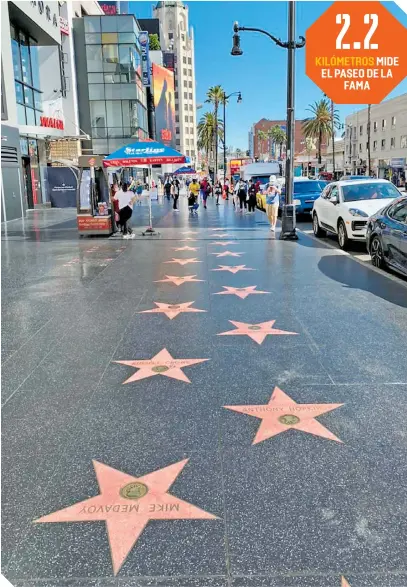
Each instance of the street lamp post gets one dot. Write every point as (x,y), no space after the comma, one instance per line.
(225,98)
(288,218)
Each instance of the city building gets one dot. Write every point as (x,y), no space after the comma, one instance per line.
(388,139)
(112,99)
(39,83)
(264,148)
(339,156)
(178,38)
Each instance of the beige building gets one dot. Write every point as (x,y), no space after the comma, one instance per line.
(177,37)
(339,156)
(388,138)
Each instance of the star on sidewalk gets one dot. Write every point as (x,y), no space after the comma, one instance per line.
(161,364)
(282,413)
(257,332)
(178,280)
(240,292)
(344,583)
(171,310)
(228,254)
(190,232)
(233,268)
(186,248)
(222,235)
(183,240)
(214,229)
(184,261)
(223,243)
(127,504)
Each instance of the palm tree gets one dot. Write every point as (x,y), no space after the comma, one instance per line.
(261,137)
(239,152)
(207,134)
(278,136)
(216,95)
(319,125)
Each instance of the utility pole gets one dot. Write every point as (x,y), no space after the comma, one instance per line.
(288,216)
(368,138)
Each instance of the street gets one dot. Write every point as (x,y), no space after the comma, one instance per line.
(208,407)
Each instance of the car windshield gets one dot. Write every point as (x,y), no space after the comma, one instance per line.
(369,191)
(308,187)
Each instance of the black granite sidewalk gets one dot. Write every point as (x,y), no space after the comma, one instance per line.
(192,494)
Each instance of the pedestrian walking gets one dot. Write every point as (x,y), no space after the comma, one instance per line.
(125,198)
(272,202)
(168,189)
(175,193)
(218,191)
(242,195)
(252,197)
(206,193)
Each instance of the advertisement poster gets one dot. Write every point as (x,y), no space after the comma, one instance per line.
(164,103)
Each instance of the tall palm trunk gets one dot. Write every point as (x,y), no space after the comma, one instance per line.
(215,171)
(319,147)
(368,139)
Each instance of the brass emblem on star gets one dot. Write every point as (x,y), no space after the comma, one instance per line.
(133,490)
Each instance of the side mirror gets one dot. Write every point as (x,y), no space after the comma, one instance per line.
(334,200)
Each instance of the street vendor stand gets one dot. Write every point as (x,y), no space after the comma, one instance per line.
(144,153)
(94,213)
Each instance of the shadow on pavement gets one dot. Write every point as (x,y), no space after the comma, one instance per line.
(355,276)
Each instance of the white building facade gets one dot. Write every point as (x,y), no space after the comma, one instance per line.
(176,36)
(39,99)
(388,139)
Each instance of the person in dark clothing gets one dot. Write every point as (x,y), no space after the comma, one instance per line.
(242,194)
(168,189)
(175,194)
(252,197)
(218,192)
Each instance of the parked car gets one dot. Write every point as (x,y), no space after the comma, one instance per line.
(345,206)
(386,236)
(354,177)
(306,191)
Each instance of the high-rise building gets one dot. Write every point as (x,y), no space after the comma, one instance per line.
(178,38)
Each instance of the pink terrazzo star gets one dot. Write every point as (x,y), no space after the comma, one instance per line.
(178,280)
(228,254)
(233,268)
(172,310)
(183,261)
(161,364)
(186,248)
(223,243)
(256,332)
(240,292)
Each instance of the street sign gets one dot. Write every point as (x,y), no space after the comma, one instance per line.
(356,52)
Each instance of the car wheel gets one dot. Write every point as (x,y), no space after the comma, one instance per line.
(342,235)
(376,253)
(316,228)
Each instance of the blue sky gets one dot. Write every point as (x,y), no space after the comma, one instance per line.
(260,73)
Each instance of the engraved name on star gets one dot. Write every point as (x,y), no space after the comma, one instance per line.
(184,261)
(127,503)
(186,248)
(171,310)
(228,254)
(178,280)
(282,413)
(257,332)
(233,268)
(240,292)
(161,364)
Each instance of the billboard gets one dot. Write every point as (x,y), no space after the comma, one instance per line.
(164,103)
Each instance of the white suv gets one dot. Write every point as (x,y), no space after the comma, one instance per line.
(344,207)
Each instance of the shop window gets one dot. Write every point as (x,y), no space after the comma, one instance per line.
(92,24)
(24,146)
(93,39)
(94,58)
(26,73)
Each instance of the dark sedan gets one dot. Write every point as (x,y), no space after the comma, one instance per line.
(386,236)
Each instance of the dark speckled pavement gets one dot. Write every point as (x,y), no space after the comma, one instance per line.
(297,509)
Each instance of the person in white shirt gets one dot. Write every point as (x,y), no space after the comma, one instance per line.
(126,200)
